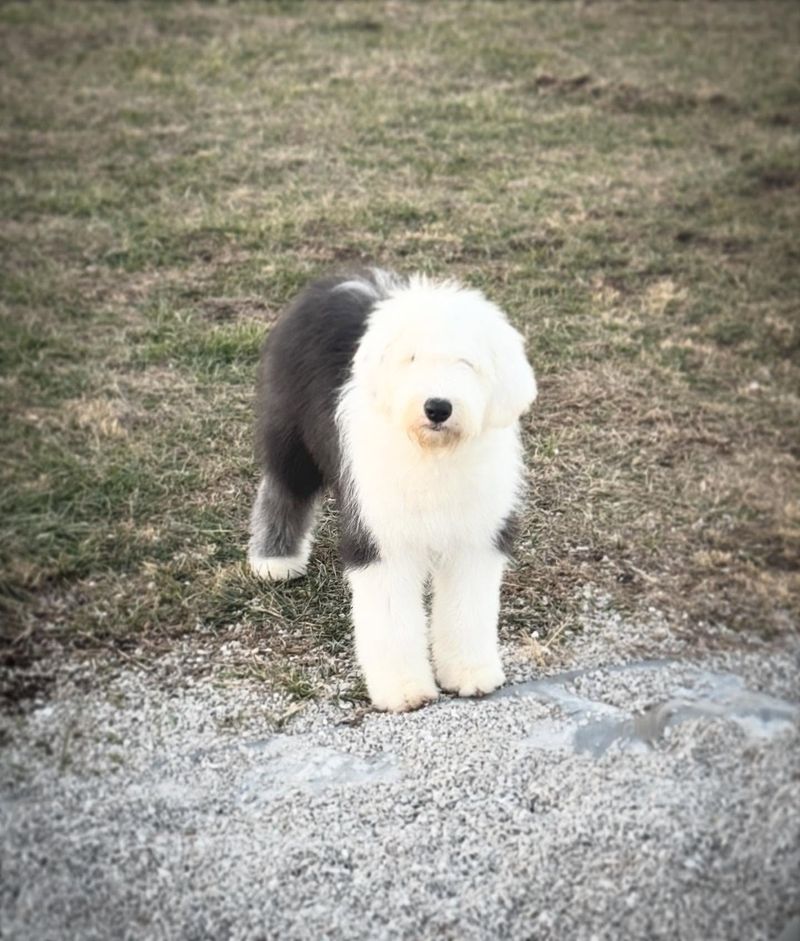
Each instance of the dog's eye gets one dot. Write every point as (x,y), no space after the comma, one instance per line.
(412,358)
(466,362)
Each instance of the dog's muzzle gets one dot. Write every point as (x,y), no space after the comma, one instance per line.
(433,430)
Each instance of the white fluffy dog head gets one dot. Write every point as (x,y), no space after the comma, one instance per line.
(443,363)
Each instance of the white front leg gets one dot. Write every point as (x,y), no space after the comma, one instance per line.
(466,604)
(391,636)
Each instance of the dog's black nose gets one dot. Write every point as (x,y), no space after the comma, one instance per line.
(438,410)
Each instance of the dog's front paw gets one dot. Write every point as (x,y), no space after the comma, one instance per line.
(471,679)
(402,695)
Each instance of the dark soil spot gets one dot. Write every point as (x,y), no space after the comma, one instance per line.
(778,178)
(21,682)
(229,309)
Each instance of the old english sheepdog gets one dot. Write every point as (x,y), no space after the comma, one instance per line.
(403,395)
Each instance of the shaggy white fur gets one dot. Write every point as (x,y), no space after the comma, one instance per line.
(433,498)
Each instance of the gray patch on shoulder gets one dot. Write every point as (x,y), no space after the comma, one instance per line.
(357,547)
(506,536)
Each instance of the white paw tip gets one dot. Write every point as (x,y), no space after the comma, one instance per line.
(472,680)
(277,568)
(406,700)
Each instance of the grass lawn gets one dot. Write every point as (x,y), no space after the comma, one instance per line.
(624,178)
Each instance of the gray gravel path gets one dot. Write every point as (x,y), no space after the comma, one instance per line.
(652,797)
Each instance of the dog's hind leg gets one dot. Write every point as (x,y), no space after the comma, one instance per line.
(283,516)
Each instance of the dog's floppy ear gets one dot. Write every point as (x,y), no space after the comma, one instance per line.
(514,387)
(371,351)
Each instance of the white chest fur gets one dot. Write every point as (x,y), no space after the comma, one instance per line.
(431,499)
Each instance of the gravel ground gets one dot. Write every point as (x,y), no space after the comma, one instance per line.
(633,792)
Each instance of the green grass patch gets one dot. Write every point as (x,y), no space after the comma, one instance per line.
(180,339)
